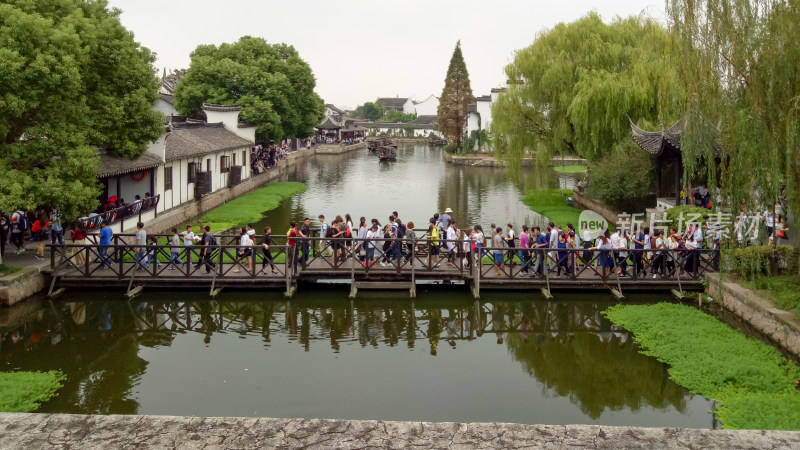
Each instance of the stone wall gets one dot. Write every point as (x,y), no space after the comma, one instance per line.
(487,160)
(20,285)
(782,327)
(22,431)
(337,149)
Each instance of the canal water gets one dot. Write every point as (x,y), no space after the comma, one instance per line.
(417,185)
(441,357)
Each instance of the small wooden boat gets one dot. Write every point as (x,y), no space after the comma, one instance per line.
(437,142)
(388,154)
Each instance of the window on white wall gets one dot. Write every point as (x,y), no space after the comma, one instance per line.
(168,178)
(192,169)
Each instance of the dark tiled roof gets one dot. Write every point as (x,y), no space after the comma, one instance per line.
(168,98)
(656,142)
(472,107)
(425,120)
(496,90)
(221,108)
(394,125)
(187,140)
(393,102)
(484,98)
(328,124)
(111,165)
(335,109)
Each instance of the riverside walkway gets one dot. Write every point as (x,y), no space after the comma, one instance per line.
(79,266)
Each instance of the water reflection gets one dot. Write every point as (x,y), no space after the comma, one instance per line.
(112,350)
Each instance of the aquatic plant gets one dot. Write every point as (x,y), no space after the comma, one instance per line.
(754,384)
(250,207)
(25,391)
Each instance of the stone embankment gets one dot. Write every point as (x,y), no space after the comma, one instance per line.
(782,327)
(19,431)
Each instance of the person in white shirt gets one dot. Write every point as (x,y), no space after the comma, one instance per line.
(621,253)
(244,253)
(553,243)
(452,235)
(372,234)
(188,241)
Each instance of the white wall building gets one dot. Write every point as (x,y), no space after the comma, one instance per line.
(427,107)
(189,160)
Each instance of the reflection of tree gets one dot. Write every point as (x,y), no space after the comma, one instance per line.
(568,347)
(596,374)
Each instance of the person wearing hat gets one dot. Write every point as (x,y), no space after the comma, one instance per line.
(446,217)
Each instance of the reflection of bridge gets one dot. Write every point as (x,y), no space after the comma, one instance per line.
(341,260)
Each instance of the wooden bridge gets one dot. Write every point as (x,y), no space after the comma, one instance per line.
(341,261)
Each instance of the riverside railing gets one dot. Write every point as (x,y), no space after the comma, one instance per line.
(112,216)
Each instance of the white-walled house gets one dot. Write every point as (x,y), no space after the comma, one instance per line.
(427,107)
(402,104)
(191,159)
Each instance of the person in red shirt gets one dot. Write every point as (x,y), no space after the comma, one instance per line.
(291,248)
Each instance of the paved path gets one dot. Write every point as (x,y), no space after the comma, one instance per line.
(29,431)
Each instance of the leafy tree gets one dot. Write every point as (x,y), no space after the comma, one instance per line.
(455,99)
(573,89)
(394,116)
(626,189)
(372,111)
(272,83)
(72,79)
(743,72)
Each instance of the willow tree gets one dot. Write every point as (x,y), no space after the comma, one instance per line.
(573,89)
(455,99)
(742,65)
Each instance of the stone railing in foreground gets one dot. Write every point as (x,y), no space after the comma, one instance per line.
(102,432)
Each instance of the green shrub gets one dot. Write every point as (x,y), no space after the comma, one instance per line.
(752,381)
(750,262)
(622,179)
(25,391)
(450,147)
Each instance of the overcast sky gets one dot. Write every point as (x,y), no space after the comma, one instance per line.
(363,49)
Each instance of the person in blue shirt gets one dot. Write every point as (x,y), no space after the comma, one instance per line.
(105,241)
(540,243)
(563,255)
(638,256)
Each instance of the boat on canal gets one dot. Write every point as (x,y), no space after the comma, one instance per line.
(376,144)
(387,154)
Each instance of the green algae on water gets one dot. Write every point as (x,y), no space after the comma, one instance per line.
(25,391)
(753,383)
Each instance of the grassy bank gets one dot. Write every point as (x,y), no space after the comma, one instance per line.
(551,203)
(250,207)
(570,169)
(782,290)
(5,270)
(25,391)
(754,384)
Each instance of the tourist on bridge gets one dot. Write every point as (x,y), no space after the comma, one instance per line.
(246,252)
(323,232)
(266,241)
(105,241)
(291,245)
(372,235)
(174,249)
(208,242)
(510,243)
(433,236)
(141,245)
(361,248)
(411,237)
(497,243)
(189,239)
(304,232)
(452,236)
(525,253)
